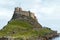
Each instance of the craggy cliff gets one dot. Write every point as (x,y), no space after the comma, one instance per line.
(24,26)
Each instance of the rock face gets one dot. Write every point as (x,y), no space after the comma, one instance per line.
(27,16)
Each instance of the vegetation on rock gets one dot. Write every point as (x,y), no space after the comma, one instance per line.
(22,29)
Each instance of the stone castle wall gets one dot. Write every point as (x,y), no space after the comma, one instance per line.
(19,11)
(24,13)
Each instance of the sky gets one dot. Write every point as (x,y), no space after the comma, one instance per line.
(46,11)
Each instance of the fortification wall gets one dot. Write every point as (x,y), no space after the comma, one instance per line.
(26,13)
(19,11)
(32,15)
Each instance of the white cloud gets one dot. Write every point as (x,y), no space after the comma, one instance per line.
(7,2)
(49,8)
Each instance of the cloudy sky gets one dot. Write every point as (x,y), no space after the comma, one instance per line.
(46,11)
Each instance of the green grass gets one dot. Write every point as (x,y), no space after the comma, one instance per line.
(22,29)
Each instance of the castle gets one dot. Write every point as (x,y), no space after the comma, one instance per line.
(19,12)
(26,16)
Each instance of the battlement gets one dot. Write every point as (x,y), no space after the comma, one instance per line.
(19,11)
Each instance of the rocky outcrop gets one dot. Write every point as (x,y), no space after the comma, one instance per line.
(29,26)
(30,17)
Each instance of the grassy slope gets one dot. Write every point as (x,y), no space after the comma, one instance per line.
(20,28)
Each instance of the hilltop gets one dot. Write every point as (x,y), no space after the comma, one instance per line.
(27,16)
(24,26)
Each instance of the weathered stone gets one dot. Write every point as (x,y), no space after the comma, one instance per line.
(18,11)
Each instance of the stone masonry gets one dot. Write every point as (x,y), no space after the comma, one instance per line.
(19,11)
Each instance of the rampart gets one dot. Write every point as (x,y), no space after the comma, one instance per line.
(19,11)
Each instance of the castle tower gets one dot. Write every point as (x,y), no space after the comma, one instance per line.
(29,13)
(17,10)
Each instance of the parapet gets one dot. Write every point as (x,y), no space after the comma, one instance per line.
(17,9)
